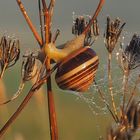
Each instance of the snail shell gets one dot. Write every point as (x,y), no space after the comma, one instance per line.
(78,70)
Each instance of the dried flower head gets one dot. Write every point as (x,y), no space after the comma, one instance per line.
(79,25)
(28,66)
(128,124)
(9,53)
(112,34)
(132,53)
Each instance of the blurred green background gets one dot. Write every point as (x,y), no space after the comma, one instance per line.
(75,117)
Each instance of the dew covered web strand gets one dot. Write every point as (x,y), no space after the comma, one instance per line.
(133,73)
(92,97)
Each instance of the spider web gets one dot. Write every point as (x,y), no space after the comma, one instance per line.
(92,97)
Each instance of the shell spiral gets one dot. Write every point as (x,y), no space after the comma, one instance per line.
(78,70)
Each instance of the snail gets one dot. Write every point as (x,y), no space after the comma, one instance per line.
(73,49)
(77,71)
(77,63)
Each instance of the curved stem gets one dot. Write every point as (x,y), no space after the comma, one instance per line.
(104,101)
(52,113)
(34,88)
(36,35)
(110,84)
(94,16)
(51,104)
(41,22)
(3,70)
(125,87)
(133,92)
(18,111)
(21,86)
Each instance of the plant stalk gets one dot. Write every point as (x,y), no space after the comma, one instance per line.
(110,85)
(20,108)
(133,92)
(35,33)
(125,87)
(51,104)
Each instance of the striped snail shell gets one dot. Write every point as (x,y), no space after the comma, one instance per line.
(78,70)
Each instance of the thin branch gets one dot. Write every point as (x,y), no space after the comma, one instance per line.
(125,87)
(110,84)
(36,35)
(44,5)
(133,92)
(20,89)
(3,70)
(20,108)
(56,35)
(51,104)
(33,89)
(46,22)
(41,22)
(51,7)
(94,16)
(104,101)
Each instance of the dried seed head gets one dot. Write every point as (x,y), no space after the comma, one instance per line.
(128,124)
(132,53)
(79,25)
(133,115)
(9,52)
(119,133)
(28,66)
(112,34)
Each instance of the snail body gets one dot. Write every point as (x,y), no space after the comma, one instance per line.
(69,47)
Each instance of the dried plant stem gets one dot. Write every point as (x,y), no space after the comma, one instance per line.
(51,104)
(3,70)
(41,22)
(94,16)
(34,88)
(18,111)
(51,7)
(19,91)
(36,35)
(4,110)
(125,87)
(52,113)
(133,92)
(110,84)
(104,101)
(40,98)
(15,115)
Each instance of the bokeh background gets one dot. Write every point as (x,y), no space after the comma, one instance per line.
(76,117)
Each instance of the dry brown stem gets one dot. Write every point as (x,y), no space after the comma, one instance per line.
(36,35)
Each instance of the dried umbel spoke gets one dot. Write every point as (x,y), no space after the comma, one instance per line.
(9,53)
(93,34)
(28,72)
(79,25)
(129,59)
(56,35)
(128,124)
(131,54)
(20,88)
(28,68)
(112,34)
